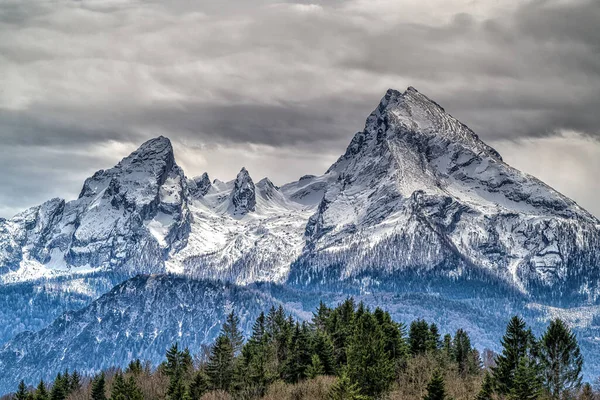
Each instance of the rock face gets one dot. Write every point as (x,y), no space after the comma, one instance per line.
(127,218)
(243,195)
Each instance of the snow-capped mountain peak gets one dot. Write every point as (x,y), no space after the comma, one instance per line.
(243,196)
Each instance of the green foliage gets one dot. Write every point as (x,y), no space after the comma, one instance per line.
(315,368)
(344,389)
(22,392)
(135,367)
(99,387)
(178,368)
(560,359)
(517,343)
(369,364)
(526,384)
(419,337)
(299,358)
(323,348)
(487,388)
(232,332)
(199,386)
(220,367)
(436,388)
(41,392)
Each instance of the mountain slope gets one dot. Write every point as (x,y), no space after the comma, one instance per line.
(419,191)
(127,218)
(141,317)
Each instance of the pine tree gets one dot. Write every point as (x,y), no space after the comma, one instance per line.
(199,386)
(321,317)
(232,331)
(135,367)
(526,384)
(560,359)
(419,337)
(517,342)
(21,393)
(344,389)
(58,391)
(433,341)
(41,393)
(99,388)
(300,358)
(436,388)
(369,365)
(487,388)
(323,348)
(257,356)
(74,382)
(315,368)
(463,353)
(133,391)
(220,367)
(177,368)
(395,343)
(119,388)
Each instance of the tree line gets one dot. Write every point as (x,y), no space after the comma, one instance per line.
(348,352)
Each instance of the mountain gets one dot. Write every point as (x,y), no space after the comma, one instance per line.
(416,192)
(418,206)
(127,218)
(141,317)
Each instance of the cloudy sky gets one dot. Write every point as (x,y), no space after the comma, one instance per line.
(280,87)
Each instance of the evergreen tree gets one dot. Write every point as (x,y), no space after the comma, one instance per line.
(177,368)
(21,393)
(315,368)
(41,393)
(133,391)
(560,359)
(74,382)
(419,337)
(436,388)
(58,391)
(447,347)
(395,344)
(321,317)
(119,388)
(232,331)
(135,367)
(220,367)
(300,358)
(369,365)
(463,353)
(257,356)
(526,384)
(199,386)
(99,388)
(487,388)
(342,325)
(323,348)
(433,341)
(344,389)
(517,342)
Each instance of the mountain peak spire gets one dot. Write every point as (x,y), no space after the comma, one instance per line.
(243,195)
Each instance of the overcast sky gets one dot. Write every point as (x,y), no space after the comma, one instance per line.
(281,87)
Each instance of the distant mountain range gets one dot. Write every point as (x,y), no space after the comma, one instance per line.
(417,204)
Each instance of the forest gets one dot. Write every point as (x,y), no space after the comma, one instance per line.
(348,352)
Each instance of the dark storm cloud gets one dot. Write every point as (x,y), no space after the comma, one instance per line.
(277,84)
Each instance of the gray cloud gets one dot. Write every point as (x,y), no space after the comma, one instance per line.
(279,86)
